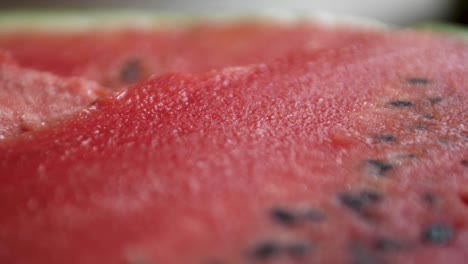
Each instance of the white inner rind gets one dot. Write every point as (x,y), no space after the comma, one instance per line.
(118,19)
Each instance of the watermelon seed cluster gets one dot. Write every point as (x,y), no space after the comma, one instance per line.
(363,204)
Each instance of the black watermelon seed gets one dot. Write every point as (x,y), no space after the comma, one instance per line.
(444,141)
(284,216)
(314,215)
(371,196)
(386,138)
(435,99)
(266,250)
(401,103)
(428,117)
(438,234)
(418,81)
(298,249)
(409,156)
(132,71)
(380,166)
(464,163)
(360,202)
(420,127)
(386,244)
(352,201)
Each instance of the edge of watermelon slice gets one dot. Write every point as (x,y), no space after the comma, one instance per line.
(452,29)
(117,19)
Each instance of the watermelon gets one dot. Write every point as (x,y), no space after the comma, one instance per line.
(355,153)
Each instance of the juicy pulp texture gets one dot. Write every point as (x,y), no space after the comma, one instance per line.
(5,57)
(30,99)
(355,154)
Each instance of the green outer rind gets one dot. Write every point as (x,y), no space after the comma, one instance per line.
(66,20)
(82,20)
(452,29)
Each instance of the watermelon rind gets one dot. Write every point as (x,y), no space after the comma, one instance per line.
(109,19)
(77,20)
(450,28)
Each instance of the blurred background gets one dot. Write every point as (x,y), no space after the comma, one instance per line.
(401,12)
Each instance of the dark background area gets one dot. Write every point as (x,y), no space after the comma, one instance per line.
(461,12)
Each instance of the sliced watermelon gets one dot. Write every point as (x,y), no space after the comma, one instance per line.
(355,154)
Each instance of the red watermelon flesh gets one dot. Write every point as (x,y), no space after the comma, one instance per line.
(355,154)
(118,58)
(30,100)
(5,57)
